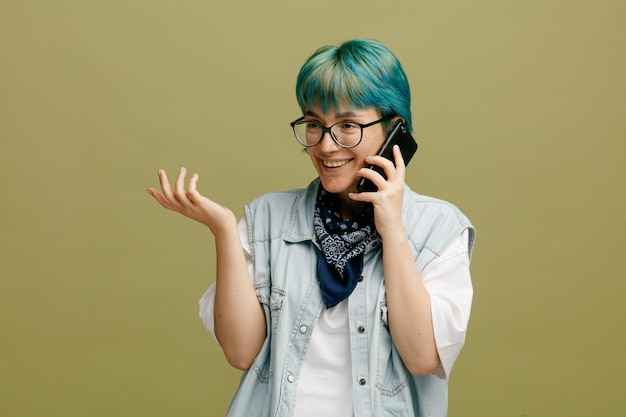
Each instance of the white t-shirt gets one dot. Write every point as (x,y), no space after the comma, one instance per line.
(326,369)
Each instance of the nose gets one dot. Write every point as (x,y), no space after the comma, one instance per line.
(328,144)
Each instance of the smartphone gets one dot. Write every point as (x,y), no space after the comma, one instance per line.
(400,136)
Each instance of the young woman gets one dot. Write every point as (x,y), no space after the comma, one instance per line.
(335,302)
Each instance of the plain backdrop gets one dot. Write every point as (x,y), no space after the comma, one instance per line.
(519,109)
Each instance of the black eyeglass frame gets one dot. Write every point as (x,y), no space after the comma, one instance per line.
(328,129)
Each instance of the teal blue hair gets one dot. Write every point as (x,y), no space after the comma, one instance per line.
(360,73)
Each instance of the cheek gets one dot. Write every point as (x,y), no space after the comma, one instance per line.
(314,160)
(372,145)
(370,150)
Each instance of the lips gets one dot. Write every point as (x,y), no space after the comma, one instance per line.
(335,164)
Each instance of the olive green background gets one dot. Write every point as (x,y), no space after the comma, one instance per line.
(519,108)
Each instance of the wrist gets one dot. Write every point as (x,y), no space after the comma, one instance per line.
(227,226)
(393,235)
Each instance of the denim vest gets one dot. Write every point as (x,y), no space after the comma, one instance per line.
(284,251)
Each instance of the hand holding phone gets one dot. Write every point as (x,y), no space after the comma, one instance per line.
(400,136)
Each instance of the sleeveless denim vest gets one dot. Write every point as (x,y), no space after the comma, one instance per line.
(284,252)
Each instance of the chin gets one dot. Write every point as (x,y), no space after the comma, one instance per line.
(337,186)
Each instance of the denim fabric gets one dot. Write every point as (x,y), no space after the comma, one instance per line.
(284,253)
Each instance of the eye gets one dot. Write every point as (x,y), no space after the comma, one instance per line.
(312,125)
(348,126)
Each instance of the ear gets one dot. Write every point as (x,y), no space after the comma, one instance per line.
(396,118)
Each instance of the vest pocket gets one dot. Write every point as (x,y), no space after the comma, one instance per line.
(271,298)
(391,376)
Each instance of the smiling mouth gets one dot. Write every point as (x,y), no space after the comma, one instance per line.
(335,164)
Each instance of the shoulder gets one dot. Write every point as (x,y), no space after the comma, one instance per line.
(433,222)
(278,212)
(433,209)
(276,199)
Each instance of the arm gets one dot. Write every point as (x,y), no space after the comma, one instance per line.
(408,301)
(409,307)
(239,318)
(447,282)
(238,315)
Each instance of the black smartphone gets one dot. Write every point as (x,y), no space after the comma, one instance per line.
(400,136)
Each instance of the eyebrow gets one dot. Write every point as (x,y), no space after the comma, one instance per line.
(338,115)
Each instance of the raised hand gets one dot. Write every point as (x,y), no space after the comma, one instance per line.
(191,203)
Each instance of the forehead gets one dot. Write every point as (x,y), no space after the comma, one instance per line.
(340,111)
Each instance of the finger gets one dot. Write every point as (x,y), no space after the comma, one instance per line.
(364,196)
(385,168)
(160,198)
(400,165)
(393,169)
(165,184)
(179,186)
(397,156)
(373,175)
(380,161)
(153,192)
(192,191)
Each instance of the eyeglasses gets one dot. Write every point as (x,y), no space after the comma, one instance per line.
(345,134)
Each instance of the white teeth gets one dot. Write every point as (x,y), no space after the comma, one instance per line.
(334,164)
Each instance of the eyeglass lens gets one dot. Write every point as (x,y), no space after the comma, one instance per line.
(310,133)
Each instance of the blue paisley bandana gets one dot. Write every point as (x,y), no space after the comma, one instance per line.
(343,243)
